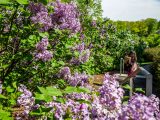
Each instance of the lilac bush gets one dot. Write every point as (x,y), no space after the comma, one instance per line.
(106,105)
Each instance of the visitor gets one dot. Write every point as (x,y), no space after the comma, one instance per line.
(130,62)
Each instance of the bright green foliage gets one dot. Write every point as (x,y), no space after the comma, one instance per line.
(108,41)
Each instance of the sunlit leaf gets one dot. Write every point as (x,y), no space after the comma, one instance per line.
(22,1)
(5,1)
(53,91)
(2,97)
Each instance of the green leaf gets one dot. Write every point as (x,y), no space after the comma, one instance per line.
(76,53)
(53,91)
(61,100)
(139,90)
(44,1)
(5,66)
(127,87)
(5,1)
(42,90)
(58,31)
(53,64)
(70,89)
(12,101)
(37,112)
(44,109)
(9,89)
(32,37)
(43,34)
(2,97)
(22,1)
(82,89)
(61,63)
(39,96)
(5,115)
(43,97)
(14,84)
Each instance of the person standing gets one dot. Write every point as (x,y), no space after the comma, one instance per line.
(130,62)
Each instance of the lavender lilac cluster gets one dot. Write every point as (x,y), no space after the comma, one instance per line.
(40,16)
(75,109)
(80,79)
(43,20)
(26,100)
(84,54)
(36,7)
(42,52)
(141,107)
(65,16)
(108,104)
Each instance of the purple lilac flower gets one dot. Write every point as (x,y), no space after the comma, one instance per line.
(78,79)
(78,111)
(43,20)
(155,102)
(43,44)
(36,7)
(79,96)
(44,56)
(64,73)
(75,61)
(59,109)
(140,107)
(82,36)
(80,47)
(74,80)
(93,23)
(25,99)
(84,54)
(65,16)
(42,52)
(158,116)
(90,46)
(108,105)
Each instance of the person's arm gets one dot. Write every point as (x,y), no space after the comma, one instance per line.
(134,67)
(133,74)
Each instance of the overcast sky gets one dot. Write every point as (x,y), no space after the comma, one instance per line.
(131,10)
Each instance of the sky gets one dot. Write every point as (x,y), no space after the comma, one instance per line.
(131,10)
